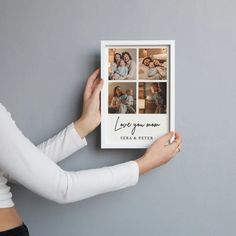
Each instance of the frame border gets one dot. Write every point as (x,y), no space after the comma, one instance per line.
(138,43)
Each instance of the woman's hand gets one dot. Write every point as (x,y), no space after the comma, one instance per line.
(91,115)
(160,152)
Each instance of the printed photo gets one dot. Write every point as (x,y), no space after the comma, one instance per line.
(152,97)
(122,64)
(122,98)
(153,63)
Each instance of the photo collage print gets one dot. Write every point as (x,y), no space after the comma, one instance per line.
(138,80)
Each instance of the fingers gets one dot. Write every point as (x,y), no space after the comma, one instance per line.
(177,143)
(178,136)
(93,76)
(89,84)
(166,137)
(178,149)
(178,139)
(95,84)
(98,88)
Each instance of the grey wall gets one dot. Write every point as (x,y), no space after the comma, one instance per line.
(48,49)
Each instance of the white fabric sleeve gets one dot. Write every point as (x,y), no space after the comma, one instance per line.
(60,146)
(63,144)
(33,169)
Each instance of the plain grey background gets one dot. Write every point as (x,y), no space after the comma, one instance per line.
(47,50)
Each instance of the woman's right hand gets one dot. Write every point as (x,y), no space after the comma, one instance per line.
(160,152)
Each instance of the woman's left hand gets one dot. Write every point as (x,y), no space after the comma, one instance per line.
(91,115)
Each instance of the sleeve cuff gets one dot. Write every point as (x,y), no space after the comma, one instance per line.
(134,175)
(80,142)
(125,174)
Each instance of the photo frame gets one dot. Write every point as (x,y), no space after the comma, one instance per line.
(138,95)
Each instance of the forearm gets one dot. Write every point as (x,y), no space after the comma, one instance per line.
(87,183)
(38,173)
(63,144)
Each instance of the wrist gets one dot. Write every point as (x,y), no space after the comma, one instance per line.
(143,165)
(81,127)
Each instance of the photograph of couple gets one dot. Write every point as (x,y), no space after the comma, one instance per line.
(153,63)
(122,98)
(152,98)
(121,64)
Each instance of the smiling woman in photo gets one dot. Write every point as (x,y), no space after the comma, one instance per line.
(122,66)
(153,64)
(115,101)
(121,98)
(114,64)
(131,65)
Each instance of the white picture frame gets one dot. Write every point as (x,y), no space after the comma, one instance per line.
(138,95)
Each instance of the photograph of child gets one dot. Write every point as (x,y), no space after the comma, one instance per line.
(122,64)
(152,97)
(153,63)
(121,98)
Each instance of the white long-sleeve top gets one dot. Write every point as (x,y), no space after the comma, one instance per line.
(35,166)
